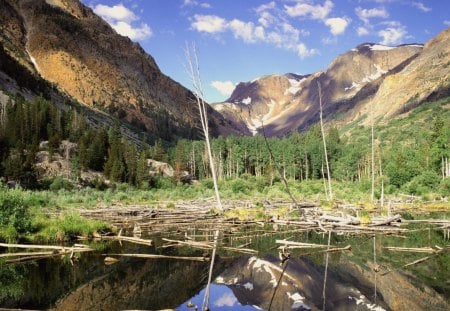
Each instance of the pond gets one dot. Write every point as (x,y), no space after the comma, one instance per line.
(367,277)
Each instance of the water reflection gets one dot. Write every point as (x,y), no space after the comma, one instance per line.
(221,298)
(240,282)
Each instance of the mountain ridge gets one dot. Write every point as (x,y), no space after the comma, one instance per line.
(352,87)
(69,46)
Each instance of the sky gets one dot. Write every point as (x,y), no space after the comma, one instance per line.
(240,40)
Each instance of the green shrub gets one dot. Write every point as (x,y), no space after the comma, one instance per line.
(425,182)
(444,187)
(60,183)
(14,210)
(165,183)
(208,184)
(240,186)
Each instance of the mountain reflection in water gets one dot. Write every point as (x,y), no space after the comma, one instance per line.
(240,282)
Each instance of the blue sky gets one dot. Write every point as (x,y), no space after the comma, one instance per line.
(240,40)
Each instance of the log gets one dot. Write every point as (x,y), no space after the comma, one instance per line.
(128,239)
(411,249)
(387,221)
(60,248)
(331,250)
(292,244)
(240,250)
(202,245)
(341,220)
(6,255)
(154,256)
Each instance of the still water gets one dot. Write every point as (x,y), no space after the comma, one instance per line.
(356,279)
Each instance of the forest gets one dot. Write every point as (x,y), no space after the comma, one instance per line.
(411,152)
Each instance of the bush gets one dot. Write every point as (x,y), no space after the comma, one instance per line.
(60,183)
(14,211)
(165,183)
(444,187)
(239,186)
(208,184)
(425,182)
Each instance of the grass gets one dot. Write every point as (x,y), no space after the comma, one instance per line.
(33,205)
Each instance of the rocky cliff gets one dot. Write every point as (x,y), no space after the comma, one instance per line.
(370,79)
(68,45)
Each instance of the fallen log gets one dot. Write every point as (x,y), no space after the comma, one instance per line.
(60,248)
(154,256)
(387,221)
(128,239)
(201,245)
(446,249)
(331,250)
(292,244)
(411,249)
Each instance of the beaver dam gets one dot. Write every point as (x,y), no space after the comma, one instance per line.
(266,256)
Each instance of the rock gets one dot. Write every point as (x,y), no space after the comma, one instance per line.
(158,168)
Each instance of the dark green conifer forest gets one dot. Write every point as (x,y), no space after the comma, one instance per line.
(411,151)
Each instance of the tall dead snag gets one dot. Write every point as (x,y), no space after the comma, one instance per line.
(193,71)
(372,193)
(330,192)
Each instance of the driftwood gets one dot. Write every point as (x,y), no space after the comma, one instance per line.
(292,244)
(58,248)
(154,256)
(331,250)
(411,249)
(128,239)
(387,221)
(423,259)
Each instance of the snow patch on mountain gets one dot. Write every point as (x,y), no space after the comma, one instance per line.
(353,86)
(294,88)
(247,100)
(375,75)
(33,60)
(379,47)
(257,122)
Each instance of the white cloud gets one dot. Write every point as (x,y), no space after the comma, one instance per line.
(447,23)
(121,19)
(303,51)
(278,32)
(134,33)
(227,299)
(266,19)
(204,5)
(306,9)
(421,6)
(264,7)
(362,31)
(366,14)
(246,31)
(392,36)
(224,87)
(115,13)
(209,23)
(337,24)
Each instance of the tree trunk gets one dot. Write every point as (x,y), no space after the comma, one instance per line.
(324,143)
(194,73)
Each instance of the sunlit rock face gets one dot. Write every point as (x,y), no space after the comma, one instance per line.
(256,281)
(370,79)
(65,43)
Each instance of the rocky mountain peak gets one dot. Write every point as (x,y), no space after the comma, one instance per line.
(287,102)
(74,49)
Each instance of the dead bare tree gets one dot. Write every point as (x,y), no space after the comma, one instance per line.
(193,71)
(372,193)
(330,192)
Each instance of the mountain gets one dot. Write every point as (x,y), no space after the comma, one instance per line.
(80,55)
(369,79)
